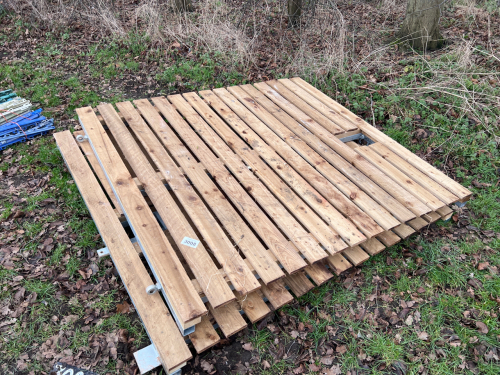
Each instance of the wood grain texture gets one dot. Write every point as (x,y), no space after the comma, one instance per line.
(228,318)
(299,283)
(154,314)
(242,201)
(169,270)
(318,105)
(205,336)
(306,243)
(338,263)
(262,262)
(277,294)
(198,259)
(389,238)
(293,163)
(266,111)
(254,306)
(347,169)
(356,255)
(233,265)
(224,104)
(376,135)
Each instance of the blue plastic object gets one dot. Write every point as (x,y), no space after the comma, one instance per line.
(25,127)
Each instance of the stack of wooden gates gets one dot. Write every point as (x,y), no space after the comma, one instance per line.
(231,201)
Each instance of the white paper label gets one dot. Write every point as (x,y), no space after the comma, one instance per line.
(191,242)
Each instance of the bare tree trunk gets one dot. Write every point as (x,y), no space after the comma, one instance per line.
(294,12)
(421,25)
(183,5)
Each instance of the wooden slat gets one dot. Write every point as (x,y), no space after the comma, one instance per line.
(89,154)
(234,266)
(373,246)
(420,177)
(344,227)
(307,113)
(241,200)
(445,212)
(277,294)
(254,306)
(198,259)
(378,136)
(169,270)
(417,223)
(403,230)
(318,273)
(275,207)
(266,111)
(403,196)
(318,105)
(299,283)
(352,172)
(389,238)
(290,158)
(155,316)
(356,255)
(204,336)
(431,217)
(403,180)
(262,262)
(228,318)
(338,263)
(286,222)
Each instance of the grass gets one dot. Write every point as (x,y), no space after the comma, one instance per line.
(462,140)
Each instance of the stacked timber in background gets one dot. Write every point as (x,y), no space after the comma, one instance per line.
(236,200)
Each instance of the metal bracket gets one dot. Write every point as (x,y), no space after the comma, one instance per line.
(148,359)
(152,289)
(460,204)
(355,137)
(82,138)
(104,252)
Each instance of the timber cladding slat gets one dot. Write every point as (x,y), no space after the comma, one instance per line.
(241,198)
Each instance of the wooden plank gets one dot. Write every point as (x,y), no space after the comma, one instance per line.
(228,318)
(262,262)
(338,263)
(431,217)
(89,154)
(266,111)
(356,255)
(197,257)
(307,112)
(399,177)
(403,196)
(378,136)
(155,316)
(254,306)
(417,223)
(373,246)
(403,231)
(318,105)
(223,104)
(389,238)
(420,177)
(275,207)
(204,336)
(277,294)
(445,212)
(283,219)
(273,238)
(318,273)
(291,158)
(171,275)
(233,265)
(299,283)
(350,171)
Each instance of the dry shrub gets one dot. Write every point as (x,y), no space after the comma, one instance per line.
(210,28)
(53,13)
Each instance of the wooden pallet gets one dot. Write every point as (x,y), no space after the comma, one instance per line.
(239,198)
